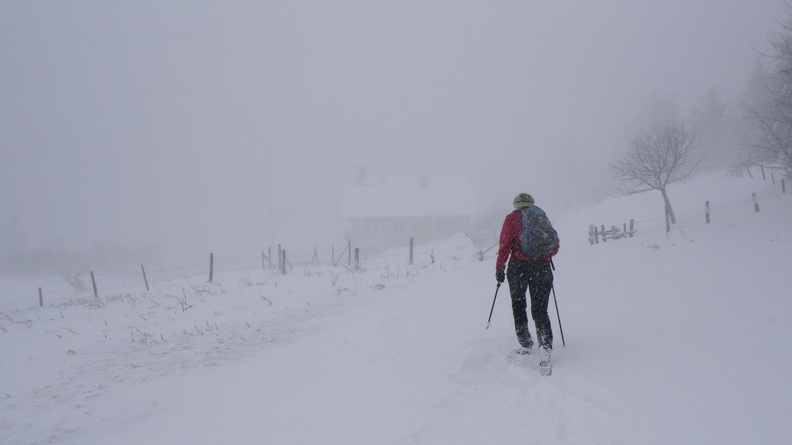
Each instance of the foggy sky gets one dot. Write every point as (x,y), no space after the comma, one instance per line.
(221,125)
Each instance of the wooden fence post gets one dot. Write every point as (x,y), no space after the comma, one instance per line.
(283,262)
(349,254)
(93,280)
(763,173)
(756,203)
(280,257)
(336,261)
(315,258)
(41,298)
(411,250)
(632,226)
(211,267)
(772,176)
(269,257)
(603,233)
(145,279)
(783,186)
(263,265)
(706,211)
(332,255)
(357,258)
(749,172)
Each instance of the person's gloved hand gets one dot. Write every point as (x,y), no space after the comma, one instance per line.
(500,275)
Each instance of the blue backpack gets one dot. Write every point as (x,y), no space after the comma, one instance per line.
(538,238)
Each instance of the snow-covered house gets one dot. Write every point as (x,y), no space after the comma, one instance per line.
(387,213)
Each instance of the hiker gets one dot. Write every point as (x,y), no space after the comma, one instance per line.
(529,270)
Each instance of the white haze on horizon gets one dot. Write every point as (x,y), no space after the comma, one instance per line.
(201,126)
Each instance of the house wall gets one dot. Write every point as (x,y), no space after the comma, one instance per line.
(393,232)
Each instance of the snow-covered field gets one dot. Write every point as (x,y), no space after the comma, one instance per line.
(683,338)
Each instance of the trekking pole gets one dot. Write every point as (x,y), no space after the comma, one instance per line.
(489,248)
(560,328)
(559,318)
(493,304)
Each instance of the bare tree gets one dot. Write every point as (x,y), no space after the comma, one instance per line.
(770,138)
(663,155)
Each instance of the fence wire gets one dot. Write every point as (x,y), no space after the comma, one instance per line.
(684,215)
(182,272)
(203,270)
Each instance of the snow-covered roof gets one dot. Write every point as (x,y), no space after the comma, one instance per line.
(409,197)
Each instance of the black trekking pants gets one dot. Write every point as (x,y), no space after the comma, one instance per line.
(537,278)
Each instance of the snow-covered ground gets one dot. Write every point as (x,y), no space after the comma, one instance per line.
(683,338)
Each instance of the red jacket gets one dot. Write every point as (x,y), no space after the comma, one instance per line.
(510,242)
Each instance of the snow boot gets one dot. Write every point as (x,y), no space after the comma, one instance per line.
(525,350)
(526,345)
(545,368)
(524,337)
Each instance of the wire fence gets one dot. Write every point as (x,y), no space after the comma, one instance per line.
(347,259)
(686,219)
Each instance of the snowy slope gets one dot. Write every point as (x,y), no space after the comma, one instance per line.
(685,338)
